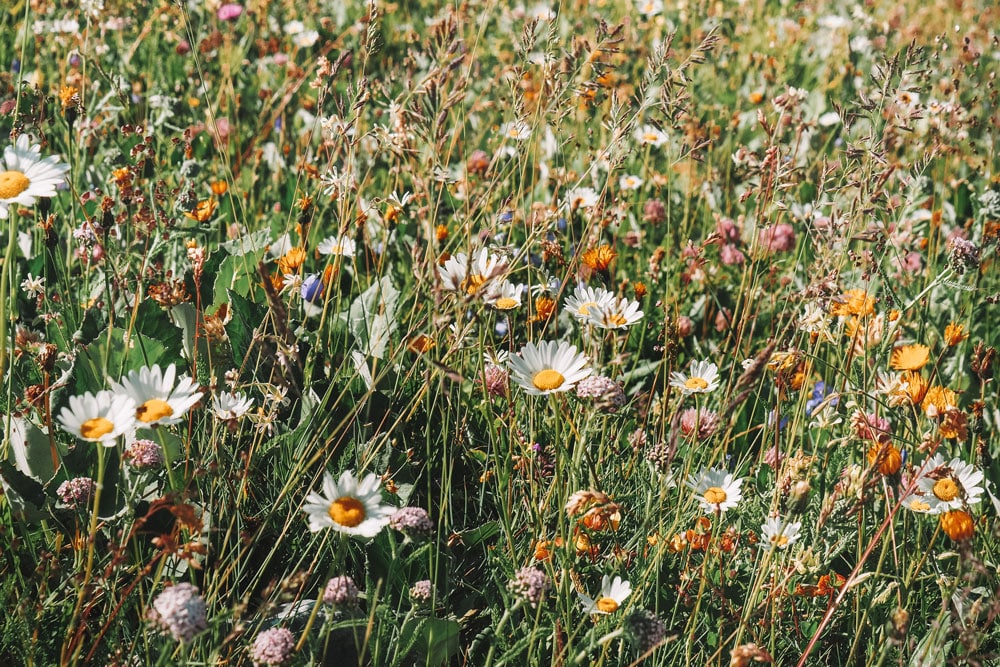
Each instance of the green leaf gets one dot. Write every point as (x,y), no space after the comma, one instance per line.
(442,639)
(483,533)
(372,317)
(28,489)
(30,451)
(247,316)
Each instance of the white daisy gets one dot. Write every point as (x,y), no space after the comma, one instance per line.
(585,299)
(613,594)
(337,245)
(630,182)
(349,506)
(158,400)
(461,274)
(717,490)
(703,378)
(504,296)
(649,8)
(25,175)
(548,367)
(651,136)
(779,534)
(619,314)
(227,406)
(582,197)
(950,486)
(517,130)
(100,417)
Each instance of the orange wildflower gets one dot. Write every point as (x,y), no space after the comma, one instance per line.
(916,386)
(958,525)
(937,400)
(910,357)
(291,261)
(599,258)
(544,308)
(203,211)
(219,188)
(954,334)
(853,302)
(885,457)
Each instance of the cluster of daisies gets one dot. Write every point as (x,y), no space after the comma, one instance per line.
(143,399)
(485,276)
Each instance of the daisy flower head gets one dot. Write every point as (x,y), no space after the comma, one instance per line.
(100,417)
(548,367)
(716,490)
(25,176)
(159,401)
(515,130)
(504,296)
(340,245)
(613,594)
(228,406)
(949,487)
(650,135)
(909,357)
(649,8)
(462,274)
(778,533)
(582,197)
(702,379)
(349,505)
(585,299)
(630,182)
(619,314)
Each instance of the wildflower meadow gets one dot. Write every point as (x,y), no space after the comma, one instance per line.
(612,332)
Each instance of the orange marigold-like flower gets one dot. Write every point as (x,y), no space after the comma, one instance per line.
(203,211)
(291,261)
(853,302)
(958,525)
(910,357)
(219,188)
(441,233)
(544,308)
(954,334)
(916,386)
(937,400)
(599,258)
(885,457)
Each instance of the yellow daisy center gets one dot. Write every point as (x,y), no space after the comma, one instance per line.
(347,511)
(12,184)
(715,496)
(472,284)
(919,506)
(585,308)
(607,605)
(547,380)
(336,249)
(153,410)
(616,319)
(93,429)
(779,540)
(505,303)
(695,383)
(945,489)
(650,137)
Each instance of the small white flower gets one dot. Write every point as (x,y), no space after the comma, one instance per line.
(517,130)
(582,197)
(25,176)
(548,367)
(649,135)
(33,286)
(630,182)
(341,244)
(716,490)
(586,299)
(613,594)
(619,314)
(779,534)
(649,8)
(349,506)
(504,296)
(158,400)
(100,417)
(227,406)
(944,487)
(703,378)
